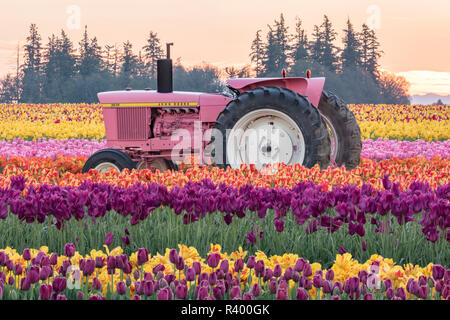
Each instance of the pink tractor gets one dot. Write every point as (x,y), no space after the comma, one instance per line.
(261,121)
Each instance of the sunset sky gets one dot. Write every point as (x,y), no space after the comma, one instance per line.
(414,34)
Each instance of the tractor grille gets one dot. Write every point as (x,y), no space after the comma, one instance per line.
(132,123)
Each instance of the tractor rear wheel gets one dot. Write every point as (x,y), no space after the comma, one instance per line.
(344,130)
(270,125)
(104,160)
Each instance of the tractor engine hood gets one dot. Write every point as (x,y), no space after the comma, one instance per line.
(311,88)
(150,98)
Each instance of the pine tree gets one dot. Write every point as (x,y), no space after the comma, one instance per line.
(31,81)
(316,45)
(153,52)
(350,55)
(329,54)
(257,53)
(277,48)
(90,60)
(370,52)
(300,48)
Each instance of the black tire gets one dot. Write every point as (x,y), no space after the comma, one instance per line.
(117,157)
(297,107)
(347,130)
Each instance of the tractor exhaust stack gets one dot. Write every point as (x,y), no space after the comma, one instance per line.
(164,75)
(164,72)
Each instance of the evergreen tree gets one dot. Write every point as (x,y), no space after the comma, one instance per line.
(257,53)
(329,54)
(90,60)
(31,81)
(350,55)
(370,52)
(316,45)
(59,69)
(153,52)
(276,51)
(300,47)
(8,89)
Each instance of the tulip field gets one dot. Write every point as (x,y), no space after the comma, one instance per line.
(379,231)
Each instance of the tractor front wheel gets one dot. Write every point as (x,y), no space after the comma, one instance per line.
(106,159)
(344,131)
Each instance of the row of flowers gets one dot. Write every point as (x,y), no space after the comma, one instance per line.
(305,204)
(67,171)
(379,149)
(184,274)
(64,121)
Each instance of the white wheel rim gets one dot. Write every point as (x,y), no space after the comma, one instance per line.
(333,136)
(106,166)
(263,137)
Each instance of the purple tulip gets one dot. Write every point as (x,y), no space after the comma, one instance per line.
(69,250)
(33,275)
(142,256)
(181,291)
(180,264)
(148,288)
(259,268)
(256,290)
(45,292)
(238,265)
(96,284)
(277,271)
(288,273)
(273,285)
(136,298)
(59,284)
(109,238)
(438,272)
(53,259)
(96,297)
(329,275)
(125,240)
(368,296)
(388,283)
(217,292)
(164,294)
(423,292)
(299,265)
(342,250)
(197,267)
(158,268)
(281,294)
(401,293)
(335,297)
(307,270)
(302,294)
(190,274)
(268,274)
(61,297)
(99,262)
(224,266)
(25,284)
(89,267)
(235,292)
(18,269)
(203,292)
(251,262)
(121,288)
(173,256)
(248,296)
(80,295)
(213,260)
(212,278)
(11,280)
(26,254)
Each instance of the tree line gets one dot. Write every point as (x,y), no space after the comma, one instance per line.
(59,72)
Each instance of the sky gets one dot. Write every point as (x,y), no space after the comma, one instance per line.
(414,34)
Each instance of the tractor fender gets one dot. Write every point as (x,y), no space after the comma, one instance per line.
(311,88)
